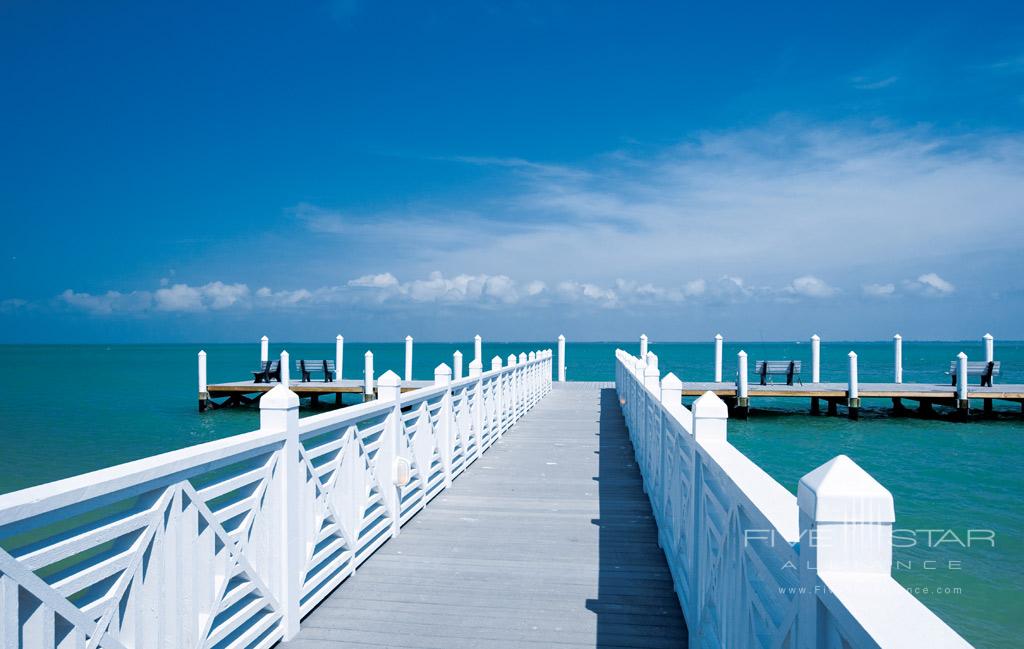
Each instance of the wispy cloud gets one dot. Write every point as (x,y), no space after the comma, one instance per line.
(867,83)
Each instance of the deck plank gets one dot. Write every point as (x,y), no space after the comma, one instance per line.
(547,541)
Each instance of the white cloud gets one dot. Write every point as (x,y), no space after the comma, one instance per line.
(879,290)
(109,302)
(382,280)
(811,286)
(931,285)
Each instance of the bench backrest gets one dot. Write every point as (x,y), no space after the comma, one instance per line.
(975,368)
(273,365)
(314,365)
(775,367)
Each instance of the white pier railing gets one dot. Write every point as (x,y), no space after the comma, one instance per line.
(754,566)
(228,544)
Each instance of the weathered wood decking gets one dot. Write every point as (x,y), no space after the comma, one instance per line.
(547,541)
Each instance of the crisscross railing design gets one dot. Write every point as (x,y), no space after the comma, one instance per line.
(228,544)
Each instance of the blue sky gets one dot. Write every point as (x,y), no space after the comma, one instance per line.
(189,172)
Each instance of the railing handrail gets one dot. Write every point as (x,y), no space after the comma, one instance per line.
(835,543)
(275,518)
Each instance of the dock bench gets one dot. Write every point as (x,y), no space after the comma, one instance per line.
(307,367)
(984,369)
(790,369)
(271,371)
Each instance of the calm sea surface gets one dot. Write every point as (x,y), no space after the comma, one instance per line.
(70,409)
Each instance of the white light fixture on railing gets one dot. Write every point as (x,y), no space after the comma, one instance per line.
(403,471)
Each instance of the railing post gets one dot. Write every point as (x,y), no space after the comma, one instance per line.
(897,342)
(445,422)
(652,379)
(264,350)
(389,388)
(643,345)
(710,417)
(279,410)
(477,411)
(204,395)
(742,396)
(561,358)
(368,376)
(846,520)
(652,360)
(672,392)
(963,405)
(478,349)
(498,390)
(339,358)
(286,371)
(853,392)
(408,358)
(513,391)
(457,364)
(718,358)
(815,359)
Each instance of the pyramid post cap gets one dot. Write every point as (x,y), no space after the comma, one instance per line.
(389,379)
(987,336)
(442,369)
(671,382)
(279,398)
(840,491)
(815,337)
(718,336)
(710,406)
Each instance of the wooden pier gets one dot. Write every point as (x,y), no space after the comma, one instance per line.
(835,395)
(548,542)
(240,393)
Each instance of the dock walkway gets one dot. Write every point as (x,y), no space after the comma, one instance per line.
(548,542)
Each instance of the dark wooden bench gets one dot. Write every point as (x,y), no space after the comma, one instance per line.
(307,367)
(986,370)
(790,369)
(271,371)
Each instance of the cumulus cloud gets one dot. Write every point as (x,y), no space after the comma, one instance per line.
(931,285)
(879,290)
(382,280)
(109,302)
(810,286)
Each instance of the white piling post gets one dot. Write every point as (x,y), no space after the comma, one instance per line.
(718,358)
(853,390)
(264,350)
(897,346)
(990,351)
(279,410)
(742,397)
(643,345)
(496,363)
(408,358)
(367,375)
(339,357)
(815,359)
(204,395)
(285,370)
(511,360)
(961,378)
(561,358)
(478,349)
(846,520)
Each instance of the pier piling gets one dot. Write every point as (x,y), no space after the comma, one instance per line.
(264,349)
(963,404)
(368,376)
(742,393)
(853,393)
(204,395)
(408,358)
(561,358)
(815,359)
(897,343)
(718,358)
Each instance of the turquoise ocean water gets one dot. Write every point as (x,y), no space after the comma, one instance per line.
(68,409)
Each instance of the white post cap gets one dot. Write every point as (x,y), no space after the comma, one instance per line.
(339,338)
(718,336)
(264,339)
(496,363)
(442,374)
(815,337)
(987,336)
(839,491)
(511,359)
(279,398)
(388,385)
(710,415)
(898,337)
(522,357)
